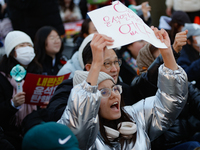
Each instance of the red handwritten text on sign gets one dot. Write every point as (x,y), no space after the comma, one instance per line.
(135,26)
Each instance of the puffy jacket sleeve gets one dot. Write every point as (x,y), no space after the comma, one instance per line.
(81,114)
(158,113)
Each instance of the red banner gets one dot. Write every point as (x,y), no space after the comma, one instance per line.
(40,88)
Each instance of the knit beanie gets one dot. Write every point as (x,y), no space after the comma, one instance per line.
(81,48)
(193,29)
(80,76)
(50,136)
(144,58)
(15,38)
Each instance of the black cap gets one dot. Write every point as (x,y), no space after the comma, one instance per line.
(180,17)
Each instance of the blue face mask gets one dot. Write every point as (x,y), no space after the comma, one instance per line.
(25,55)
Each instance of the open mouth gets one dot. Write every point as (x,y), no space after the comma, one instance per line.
(115,106)
(114,76)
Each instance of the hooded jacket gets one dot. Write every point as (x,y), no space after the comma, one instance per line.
(152,115)
(71,66)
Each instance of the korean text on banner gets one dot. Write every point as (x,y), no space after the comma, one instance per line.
(40,88)
(123,25)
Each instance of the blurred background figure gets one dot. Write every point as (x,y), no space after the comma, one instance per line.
(69,12)
(191,7)
(76,62)
(5,26)
(5,23)
(174,24)
(189,59)
(146,56)
(128,54)
(179,18)
(29,16)
(143,10)
(48,49)
(86,29)
(50,136)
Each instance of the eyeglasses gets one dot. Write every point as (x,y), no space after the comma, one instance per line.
(106,92)
(52,38)
(108,65)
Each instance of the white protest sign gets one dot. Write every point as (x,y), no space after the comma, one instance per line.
(123,25)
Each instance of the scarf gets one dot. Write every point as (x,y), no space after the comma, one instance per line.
(130,60)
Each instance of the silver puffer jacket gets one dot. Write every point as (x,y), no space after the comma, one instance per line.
(152,115)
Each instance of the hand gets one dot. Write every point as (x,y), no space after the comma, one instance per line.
(166,53)
(73,18)
(180,41)
(67,15)
(98,45)
(45,106)
(145,9)
(169,11)
(162,35)
(19,99)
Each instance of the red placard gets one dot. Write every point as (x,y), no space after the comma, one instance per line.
(40,88)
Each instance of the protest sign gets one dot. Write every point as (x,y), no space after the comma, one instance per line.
(40,88)
(123,25)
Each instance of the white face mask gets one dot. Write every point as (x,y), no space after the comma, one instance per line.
(197,38)
(25,55)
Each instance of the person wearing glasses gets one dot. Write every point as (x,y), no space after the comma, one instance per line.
(48,49)
(95,111)
(111,65)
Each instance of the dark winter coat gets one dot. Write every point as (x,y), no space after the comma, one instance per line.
(48,68)
(190,62)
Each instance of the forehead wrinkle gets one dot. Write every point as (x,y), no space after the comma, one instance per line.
(109,59)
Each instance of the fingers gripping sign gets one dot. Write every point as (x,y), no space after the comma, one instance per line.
(166,53)
(98,46)
(162,35)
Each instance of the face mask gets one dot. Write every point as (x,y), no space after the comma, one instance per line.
(197,38)
(25,55)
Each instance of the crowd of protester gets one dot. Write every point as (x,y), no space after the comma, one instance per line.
(133,97)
